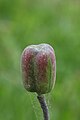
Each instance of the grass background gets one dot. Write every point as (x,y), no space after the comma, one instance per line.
(25,22)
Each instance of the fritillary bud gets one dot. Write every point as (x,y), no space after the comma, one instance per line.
(39,68)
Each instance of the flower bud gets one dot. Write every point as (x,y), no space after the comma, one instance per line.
(38,68)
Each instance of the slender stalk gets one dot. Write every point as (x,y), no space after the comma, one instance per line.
(44,106)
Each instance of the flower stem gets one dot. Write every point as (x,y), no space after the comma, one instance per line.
(44,106)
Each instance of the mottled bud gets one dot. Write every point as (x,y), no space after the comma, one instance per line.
(38,68)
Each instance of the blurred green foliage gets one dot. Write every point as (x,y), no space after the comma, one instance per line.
(25,22)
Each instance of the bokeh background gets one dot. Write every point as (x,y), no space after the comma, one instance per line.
(25,22)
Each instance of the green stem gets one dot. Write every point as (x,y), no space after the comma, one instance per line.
(44,106)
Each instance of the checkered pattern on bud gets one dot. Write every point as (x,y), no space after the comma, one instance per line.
(38,68)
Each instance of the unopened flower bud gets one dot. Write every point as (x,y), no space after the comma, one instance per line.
(39,68)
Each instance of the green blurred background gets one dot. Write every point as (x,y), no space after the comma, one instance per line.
(25,22)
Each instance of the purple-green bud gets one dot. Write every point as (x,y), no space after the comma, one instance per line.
(39,68)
